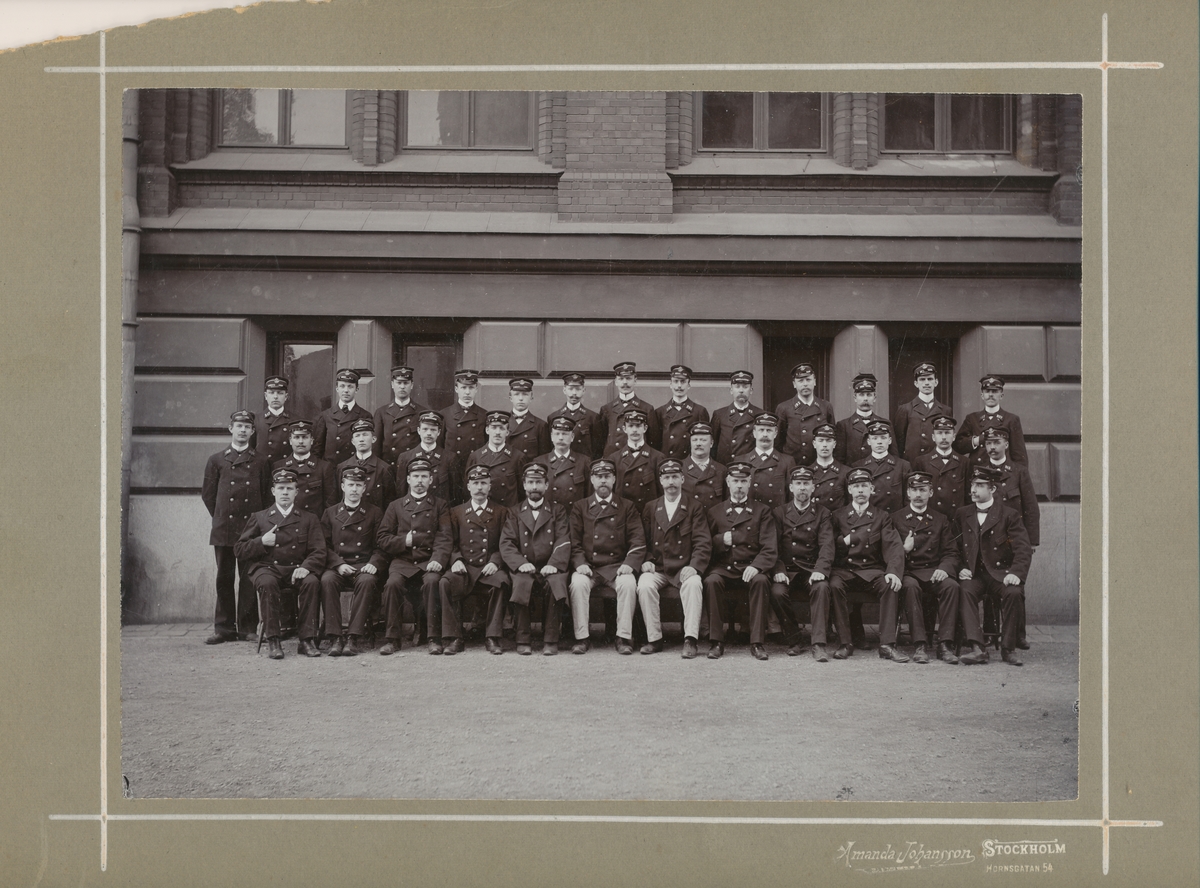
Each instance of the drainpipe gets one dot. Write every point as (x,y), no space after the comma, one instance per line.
(131,234)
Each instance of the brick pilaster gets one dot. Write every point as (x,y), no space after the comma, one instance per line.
(373,116)
(1066,198)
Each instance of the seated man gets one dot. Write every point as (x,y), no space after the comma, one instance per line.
(678,547)
(354,562)
(930,565)
(415,532)
(287,550)
(745,548)
(475,564)
(805,562)
(535,544)
(607,546)
(869,560)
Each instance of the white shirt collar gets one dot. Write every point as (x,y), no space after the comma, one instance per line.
(237,449)
(275,412)
(628,397)
(928,400)
(991,410)
(279,509)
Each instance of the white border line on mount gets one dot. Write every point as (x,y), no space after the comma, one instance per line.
(1103,65)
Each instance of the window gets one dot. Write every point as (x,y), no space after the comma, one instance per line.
(308,364)
(313,118)
(743,121)
(944,124)
(433,359)
(452,119)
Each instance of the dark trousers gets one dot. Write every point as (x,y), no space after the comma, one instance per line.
(946,594)
(554,609)
(786,599)
(717,586)
(844,582)
(270,585)
(421,590)
(1012,608)
(453,588)
(233,615)
(366,595)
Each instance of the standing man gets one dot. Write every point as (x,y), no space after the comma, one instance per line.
(464,425)
(677,415)
(769,484)
(970,436)
(914,419)
(396,423)
(703,476)
(887,470)
(625,382)
(272,429)
(415,532)
(852,431)
(799,417)
(869,560)
(535,544)
(678,548)
(315,478)
(566,470)
(503,462)
(475,565)
(285,549)
(381,479)
(947,469)
(806,552)
(608,545)
(733,425)
(829,475)
(745,549)
(235,486)
(527,434)
(589,436)
(442,465)
(637,462)
(353,561)
(331,431)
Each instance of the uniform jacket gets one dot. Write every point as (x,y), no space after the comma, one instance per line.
(544,541)
(316,482)
(445,483)
(934,547)
(272,437)
(610,422)
(476,541)
(874,547)
(1015,490)
(464,430)
(567,477)
(796,424)
(606,536)
(637,474)
(429,520)
(949,480)
(974,425)
(755,541)
(830,485)
(331,432)
(396,429)
(1001,542)
(705,485)
(914,426)
(673,420)
(805,540)
(682,541)
(769,483)
(529,435)
(888,475)
(851,435)
(235,486)
(589,435)
(733,431)
(350,536)
(381,479)
(506,465)
(299,542)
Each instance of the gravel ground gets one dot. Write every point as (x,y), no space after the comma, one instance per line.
(223,722)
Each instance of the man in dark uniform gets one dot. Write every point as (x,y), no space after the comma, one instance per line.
(745,548)
(535,544)
(381,478)
(272,429)
(914,419)
(852,431)
(829,475)
(677,415)
(947,469)
(566,470)
(464,426)
(637,462)
(678,549)
(995,555)
(354,561)
(970,436)
(869,560)
(415,532)
(287,550)
(331,431)
(930,567)
(887,470)
(503,462)
(608,546)
(589,436)
(800,416)
(527,434)
(625,382)
(769,484)
(703,476)
(445,470)
(315,478)
(476,565)
(235,486)
(396,423)
(805,562)
(733,425)
(1014,488)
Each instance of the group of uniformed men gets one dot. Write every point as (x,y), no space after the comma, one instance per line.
(786,507)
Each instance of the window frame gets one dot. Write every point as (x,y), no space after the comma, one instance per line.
(530,129)
(760,127)
(285,122)
(941,128)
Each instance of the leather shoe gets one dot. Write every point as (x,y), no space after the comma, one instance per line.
(350,648)
(818,652)
(435,647)
(337,644)
(550,649)
(758,652)
(715,650)
(581,647)
(455,646)
(919,655)
(1023,644)
(389,648)
(689,649)
(887,652)
(623,646)
(493,645)
(946,655)
(524,650)
(308,648)
(652,647)
(1012,658)
(274,648)
(844,652)
(976,656)
(221,637)
(795,650)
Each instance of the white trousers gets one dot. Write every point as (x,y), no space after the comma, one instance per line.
(691,596)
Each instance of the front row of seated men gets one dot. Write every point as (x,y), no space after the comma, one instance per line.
(793,553)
